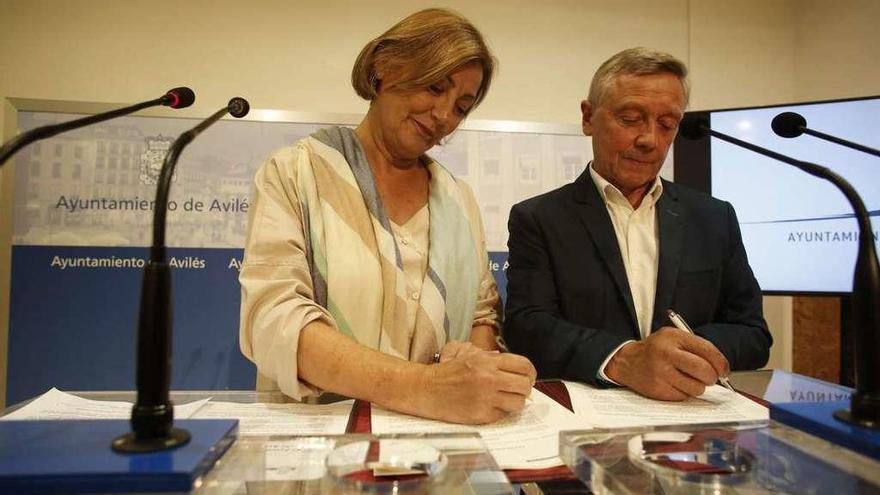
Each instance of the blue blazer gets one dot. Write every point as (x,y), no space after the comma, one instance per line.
(569,304)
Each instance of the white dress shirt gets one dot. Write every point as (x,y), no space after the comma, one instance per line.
(639,240)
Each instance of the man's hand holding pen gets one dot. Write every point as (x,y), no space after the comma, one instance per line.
(680,324)
(669,364)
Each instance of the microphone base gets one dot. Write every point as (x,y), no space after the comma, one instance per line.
(863,411)
(131,444)
(846,416)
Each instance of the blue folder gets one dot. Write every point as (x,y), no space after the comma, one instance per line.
(70,456)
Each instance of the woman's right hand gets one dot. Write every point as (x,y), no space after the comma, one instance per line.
(475,386)
(456,349)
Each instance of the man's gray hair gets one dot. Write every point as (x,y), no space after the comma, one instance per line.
(638,62)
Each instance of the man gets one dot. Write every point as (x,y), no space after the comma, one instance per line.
(596,264)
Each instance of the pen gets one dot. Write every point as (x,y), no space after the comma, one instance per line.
(679,323)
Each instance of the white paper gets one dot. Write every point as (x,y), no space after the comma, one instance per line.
(56,404)
(186,411)
(281,419)
(525,440)
(408,452)
(297,459)
(354,453)
(455,444)
(613,408)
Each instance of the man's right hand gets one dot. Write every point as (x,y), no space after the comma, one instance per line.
(668,365)
(477,387)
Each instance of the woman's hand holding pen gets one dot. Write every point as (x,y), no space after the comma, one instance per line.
(456,349)
(668,365)
(473,386)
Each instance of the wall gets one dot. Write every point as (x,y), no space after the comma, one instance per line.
(297,56)
(836,49)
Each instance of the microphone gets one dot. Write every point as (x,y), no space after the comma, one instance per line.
(181,97)
(865,402)
(792,125)
(789,124)
(153,414)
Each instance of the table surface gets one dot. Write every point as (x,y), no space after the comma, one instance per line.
(242,470)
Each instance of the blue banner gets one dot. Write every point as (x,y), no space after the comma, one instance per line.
(74,312)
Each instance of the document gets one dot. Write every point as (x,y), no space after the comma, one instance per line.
(56,404)
(613,408)
(254,419)
(281,419)
(525,440)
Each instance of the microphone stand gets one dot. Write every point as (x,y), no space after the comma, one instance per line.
(153,414)
(865,402)
(841,141)
(176,98)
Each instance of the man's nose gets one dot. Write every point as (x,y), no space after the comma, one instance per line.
(647,138)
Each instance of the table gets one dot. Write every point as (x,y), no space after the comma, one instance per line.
(242,470)
(689,458)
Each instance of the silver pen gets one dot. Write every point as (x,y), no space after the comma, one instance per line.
(680,324)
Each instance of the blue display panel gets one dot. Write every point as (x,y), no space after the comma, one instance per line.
(73,322)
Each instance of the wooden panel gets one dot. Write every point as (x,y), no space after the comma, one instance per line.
(816,337)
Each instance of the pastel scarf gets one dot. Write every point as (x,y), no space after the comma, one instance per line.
(352,252)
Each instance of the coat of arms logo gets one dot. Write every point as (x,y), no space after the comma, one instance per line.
(152,157)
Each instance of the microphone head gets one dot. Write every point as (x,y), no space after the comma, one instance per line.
(789,124)
(694,126)
(181,97)
(238,107)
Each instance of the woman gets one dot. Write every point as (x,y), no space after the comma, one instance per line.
(365,258)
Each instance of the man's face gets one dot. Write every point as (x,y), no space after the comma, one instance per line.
(632,128)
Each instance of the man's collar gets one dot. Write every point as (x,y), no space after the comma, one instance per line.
(609,192)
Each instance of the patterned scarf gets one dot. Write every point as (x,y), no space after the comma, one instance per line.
(353,254)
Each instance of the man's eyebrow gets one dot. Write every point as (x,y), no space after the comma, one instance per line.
(674,114)
(630,107)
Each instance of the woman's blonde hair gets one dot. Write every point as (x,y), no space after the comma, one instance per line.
(421,50)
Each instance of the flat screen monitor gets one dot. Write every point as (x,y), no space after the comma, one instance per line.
(799,231)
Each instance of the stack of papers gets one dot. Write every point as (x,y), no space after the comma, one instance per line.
(254,419)
(620,407)
(281,419)
(56,404)
(525,440)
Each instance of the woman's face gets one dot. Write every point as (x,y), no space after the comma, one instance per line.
(412,122)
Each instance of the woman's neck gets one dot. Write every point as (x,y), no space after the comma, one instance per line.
(380,157)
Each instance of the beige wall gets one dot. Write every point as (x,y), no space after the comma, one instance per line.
(836,50)
(296,55)
(741,53)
